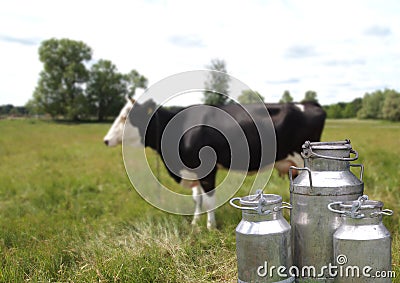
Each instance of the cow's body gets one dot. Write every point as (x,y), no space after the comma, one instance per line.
(293,123)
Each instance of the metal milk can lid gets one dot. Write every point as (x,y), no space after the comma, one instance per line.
(320,150)
(262,203)
(360,208)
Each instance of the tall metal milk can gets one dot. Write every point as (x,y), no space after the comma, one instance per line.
(362,244)
(325,178)
(263,239)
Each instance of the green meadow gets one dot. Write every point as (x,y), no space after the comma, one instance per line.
(68,212)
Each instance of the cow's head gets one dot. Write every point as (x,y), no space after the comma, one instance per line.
(116,132)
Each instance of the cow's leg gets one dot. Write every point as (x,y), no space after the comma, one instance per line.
(209,204)
(200,197)
(208,185)
(197,197)
(189,181)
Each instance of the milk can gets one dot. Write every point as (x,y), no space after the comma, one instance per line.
(325,178)
(263,239)
(362,244)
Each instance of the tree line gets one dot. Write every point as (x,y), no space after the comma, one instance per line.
(380,104)
(11,110)
(73,86)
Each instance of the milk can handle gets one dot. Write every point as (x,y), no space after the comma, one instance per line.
(362,170)
(387,212)
(240,207)
(335,210)
(354,210)
(258,208)
(353,213)
(309,153)
(297,168)
(286,205)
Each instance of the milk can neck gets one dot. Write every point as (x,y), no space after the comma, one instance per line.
(321,164)
(253,216)
(347,220)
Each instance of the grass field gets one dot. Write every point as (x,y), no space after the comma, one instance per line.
(68,212)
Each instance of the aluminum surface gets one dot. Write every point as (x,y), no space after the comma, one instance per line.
(262,240)
(364,241)
(313,225)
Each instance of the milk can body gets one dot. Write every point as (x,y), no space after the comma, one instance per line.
(262,239)
(362,244)
(325,178)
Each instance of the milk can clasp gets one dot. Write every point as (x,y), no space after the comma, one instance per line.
(385,211)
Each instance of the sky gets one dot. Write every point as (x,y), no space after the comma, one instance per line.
(340,49)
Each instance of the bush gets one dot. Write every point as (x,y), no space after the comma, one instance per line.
(391,106)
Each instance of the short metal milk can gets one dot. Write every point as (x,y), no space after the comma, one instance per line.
(362,244)
(263,239)
(325,178)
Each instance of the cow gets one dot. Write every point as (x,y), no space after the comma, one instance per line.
(293,123)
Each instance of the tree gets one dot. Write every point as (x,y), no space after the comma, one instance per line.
(335,111)
(351,109)
(217,86)
(249,97)
(286,97)
(60,87)
(372,104)
(5,109)
(135,80)
(310,96)
(391,106)
(32,108)
(11,110)
(105,90)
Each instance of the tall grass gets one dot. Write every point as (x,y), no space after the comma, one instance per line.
(68,212)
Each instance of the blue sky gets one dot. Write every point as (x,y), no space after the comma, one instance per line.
(340,49)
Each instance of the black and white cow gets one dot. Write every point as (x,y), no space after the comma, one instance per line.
(293,125)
